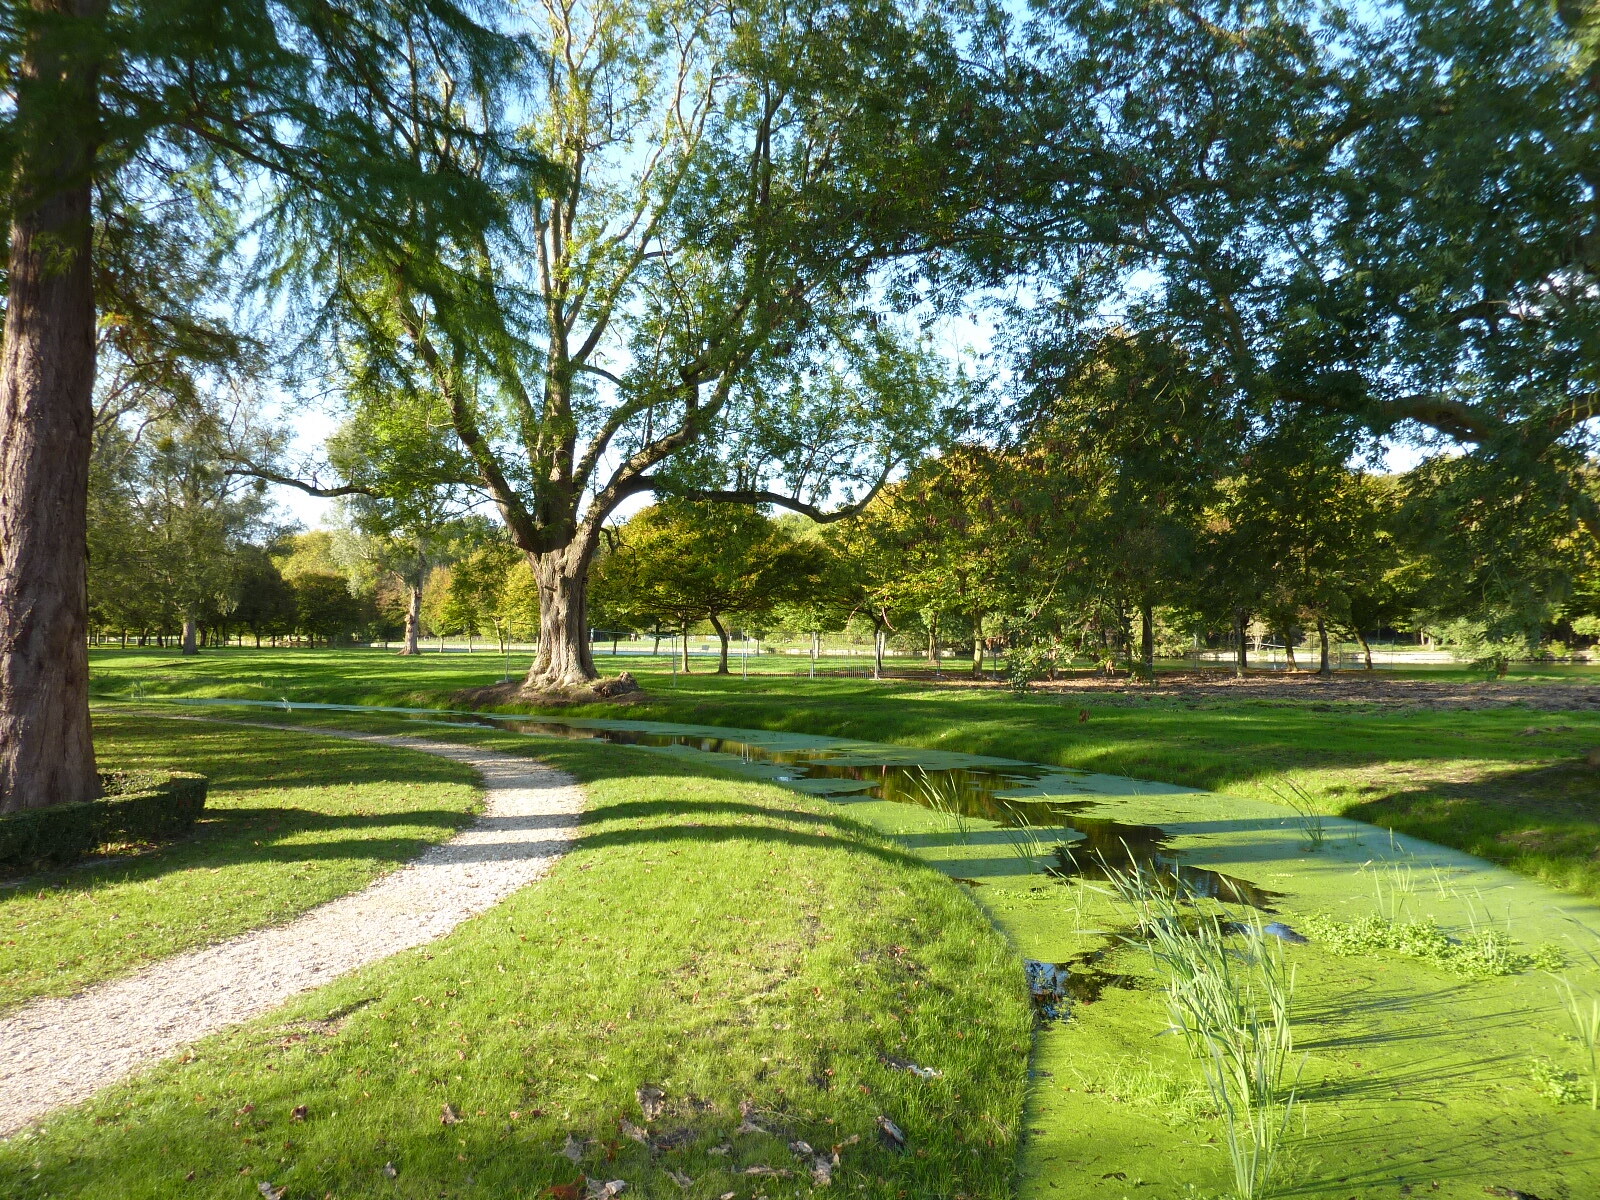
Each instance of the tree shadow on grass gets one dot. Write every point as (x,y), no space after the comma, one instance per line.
(267,756)
(1542,820)
(235,836)
(679,823)
(261,836)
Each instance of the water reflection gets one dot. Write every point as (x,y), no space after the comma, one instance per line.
(1094,846)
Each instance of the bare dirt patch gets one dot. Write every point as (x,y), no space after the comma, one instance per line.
(1345,687)
(622,689)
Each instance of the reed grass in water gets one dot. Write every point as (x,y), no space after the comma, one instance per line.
(1232,1003)
(942,794)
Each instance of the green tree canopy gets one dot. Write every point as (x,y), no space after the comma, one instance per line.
(683,561)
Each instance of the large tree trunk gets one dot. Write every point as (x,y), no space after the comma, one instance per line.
(46,421)
(977,648)
(683,647)
(878,638)
(1323,667)
(722,637)
(564,659)
(1288,649)
(189,646)
(1242,649)
(413,634)
(1366,649)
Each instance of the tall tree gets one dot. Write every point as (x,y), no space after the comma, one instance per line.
(691,304)
(103,91)
(46,418)
(1124,443)
(408,493)
(1385,213)
(691,561)
(193,516)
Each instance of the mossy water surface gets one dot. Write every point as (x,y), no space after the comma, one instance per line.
(1413,1078)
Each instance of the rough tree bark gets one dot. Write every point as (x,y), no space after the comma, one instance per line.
(413,644)
(977,648)
(1366,649)
(1241,648)
(190,646)
(564,659)
(46,419)
(1324,667)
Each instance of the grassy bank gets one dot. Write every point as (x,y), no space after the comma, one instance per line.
(760,959)
(774,967)
(1506,783)
(291,822)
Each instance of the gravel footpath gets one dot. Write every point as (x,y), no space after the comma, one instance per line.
(60,1051)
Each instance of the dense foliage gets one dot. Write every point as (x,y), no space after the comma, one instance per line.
(1288,310)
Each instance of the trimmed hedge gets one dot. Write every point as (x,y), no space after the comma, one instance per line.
(137,807)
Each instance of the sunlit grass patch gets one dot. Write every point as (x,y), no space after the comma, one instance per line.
(292,820)
(761,960)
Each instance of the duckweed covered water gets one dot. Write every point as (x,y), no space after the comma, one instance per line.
(1413,1082)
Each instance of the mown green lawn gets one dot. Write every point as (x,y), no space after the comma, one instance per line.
(1509,783)
(759,958)
(291,821)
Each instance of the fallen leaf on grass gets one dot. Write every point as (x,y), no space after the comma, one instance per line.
(566,1191)
(651,1101)
(767,1172)
(629,1129)
(891,1133)
(679,1178)
(573,1149)
(390,1172)
(270,1192)
(299,1113)
(449,1116)
(605,1191)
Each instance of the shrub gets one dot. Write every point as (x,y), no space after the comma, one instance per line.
(137,807)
